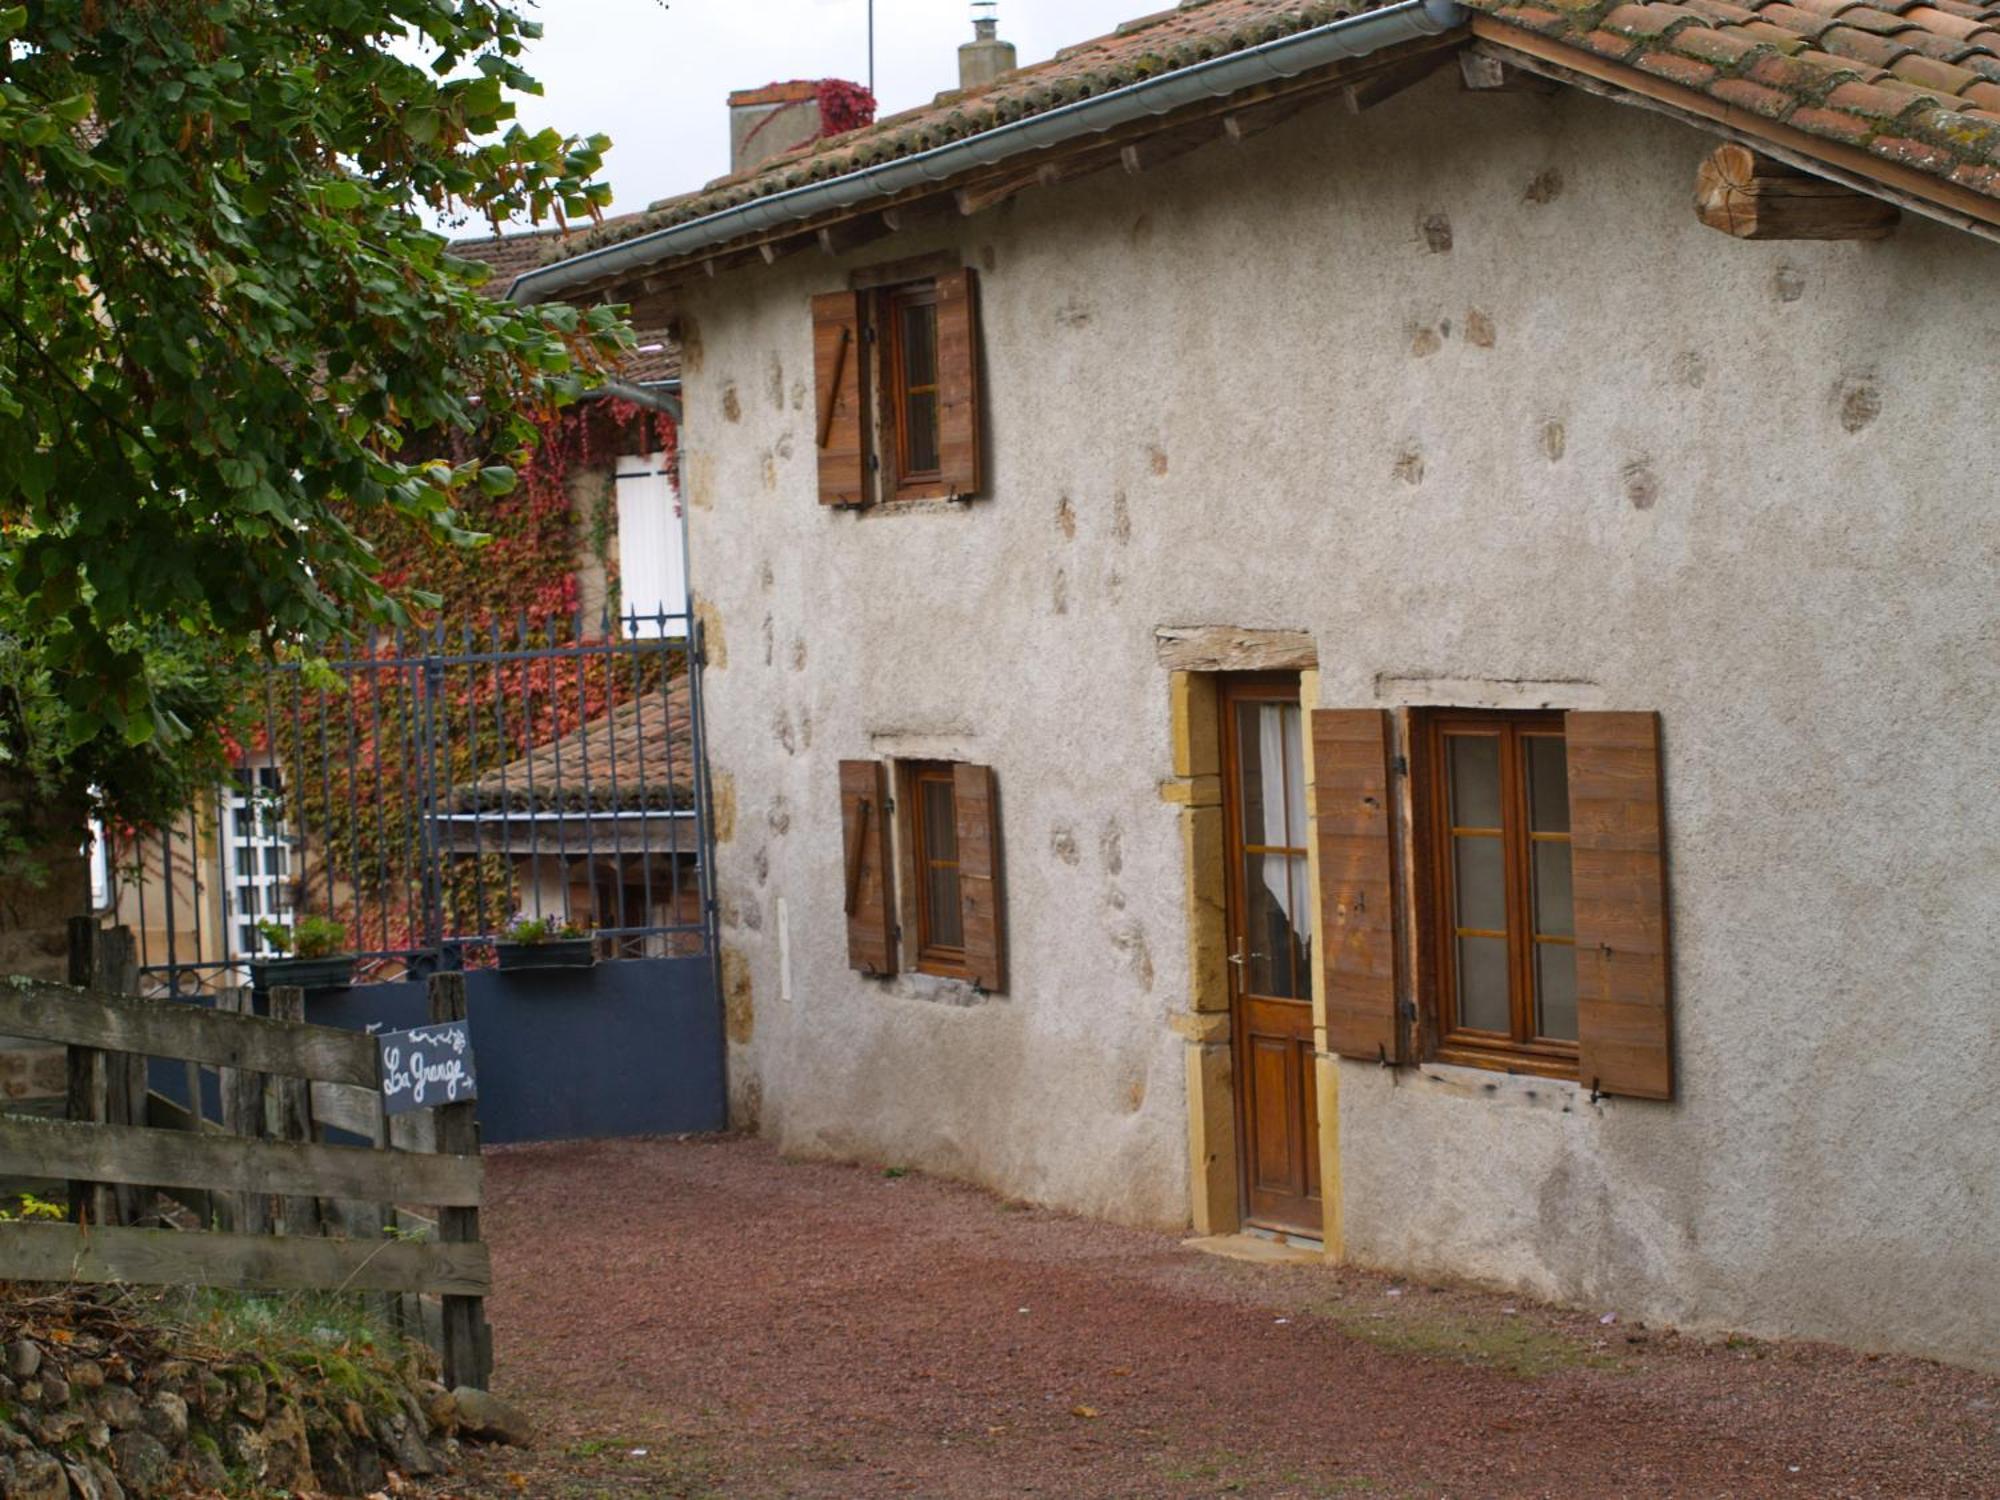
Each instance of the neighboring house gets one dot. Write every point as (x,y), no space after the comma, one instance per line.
(1315,625)
(599,825)
(197,894)
(642,573)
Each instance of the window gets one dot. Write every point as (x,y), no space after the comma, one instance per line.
(933,802)
(910,383)
(1540,870)
(652,573)
(896,372)
(1505,933)
(259,854)
(948,921)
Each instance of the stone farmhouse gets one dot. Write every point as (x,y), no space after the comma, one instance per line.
(1377,628)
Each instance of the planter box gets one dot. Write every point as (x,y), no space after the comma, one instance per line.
(335,972)
(563,953)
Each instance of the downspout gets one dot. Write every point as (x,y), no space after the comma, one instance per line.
(1286,57)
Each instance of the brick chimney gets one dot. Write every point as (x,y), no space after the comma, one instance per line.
(767,122)
(985,57)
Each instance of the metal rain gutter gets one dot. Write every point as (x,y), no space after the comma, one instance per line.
(664,397)
(1285,57)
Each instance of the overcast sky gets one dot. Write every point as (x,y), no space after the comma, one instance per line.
(654,76)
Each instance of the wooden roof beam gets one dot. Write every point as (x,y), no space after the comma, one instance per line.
(1365,93)
(1754,197)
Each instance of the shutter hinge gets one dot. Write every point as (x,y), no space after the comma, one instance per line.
(875,463)
(1401,765)
(1406,1010)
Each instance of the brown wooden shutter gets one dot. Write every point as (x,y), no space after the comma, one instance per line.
(959,453)
(864,837)
(977,808)
(1357,936)
(840,410)
(1618,850)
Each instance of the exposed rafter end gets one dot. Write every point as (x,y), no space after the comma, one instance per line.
(917,213)
(1481,74)
(1752,197)
(1911,190)
(1143,155)
(851,234)
(1366,93)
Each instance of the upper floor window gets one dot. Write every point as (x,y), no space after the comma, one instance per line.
(896,371)
(910,383)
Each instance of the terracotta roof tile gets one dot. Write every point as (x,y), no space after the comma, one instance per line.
(1710,45)
(1930,73)
(1909,81)
(1687,70)
(645,746)
(1863,46)
(1836,124)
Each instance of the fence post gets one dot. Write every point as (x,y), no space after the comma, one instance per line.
(288,1114)
(89,1092)
(468,1342)
(243,1114)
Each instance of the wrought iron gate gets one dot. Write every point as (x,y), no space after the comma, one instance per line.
(435,788)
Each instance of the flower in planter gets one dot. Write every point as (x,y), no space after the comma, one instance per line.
(533,931)
(309,937)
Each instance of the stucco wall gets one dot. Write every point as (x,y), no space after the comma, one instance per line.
(1460,387)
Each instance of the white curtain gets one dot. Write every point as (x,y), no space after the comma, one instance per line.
(1281,763)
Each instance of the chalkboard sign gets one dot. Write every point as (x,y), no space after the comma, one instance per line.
(427,1067)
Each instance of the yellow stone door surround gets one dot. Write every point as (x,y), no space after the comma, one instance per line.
(1196,661)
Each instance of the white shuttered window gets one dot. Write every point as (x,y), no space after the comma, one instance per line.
(652,558)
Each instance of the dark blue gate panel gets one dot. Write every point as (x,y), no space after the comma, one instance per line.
(632,1047)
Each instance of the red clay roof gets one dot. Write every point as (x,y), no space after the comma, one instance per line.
(1138,49)
(1912,82)
(638,756)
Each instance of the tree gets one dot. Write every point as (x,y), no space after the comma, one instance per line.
(231,349)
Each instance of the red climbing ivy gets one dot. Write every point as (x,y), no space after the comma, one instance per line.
(844,106)
(528,564)
(355,788)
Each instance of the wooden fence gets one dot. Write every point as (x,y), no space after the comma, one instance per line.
(281,1209)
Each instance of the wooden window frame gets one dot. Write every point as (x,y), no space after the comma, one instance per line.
(891,305)
(1521,1051)
(946,961)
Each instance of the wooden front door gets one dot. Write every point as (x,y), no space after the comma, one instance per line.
(1270,953)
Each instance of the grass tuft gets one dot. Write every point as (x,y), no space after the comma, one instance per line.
(1511,1346)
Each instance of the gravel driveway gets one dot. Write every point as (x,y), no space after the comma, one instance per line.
(704,1317)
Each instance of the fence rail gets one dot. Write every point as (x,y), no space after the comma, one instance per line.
(267,1164)
(435,787)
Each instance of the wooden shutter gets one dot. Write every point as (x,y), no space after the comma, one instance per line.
(1357,935)
(1618,853)
(840,411)
(864,836)
(977,807)
(959,453)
